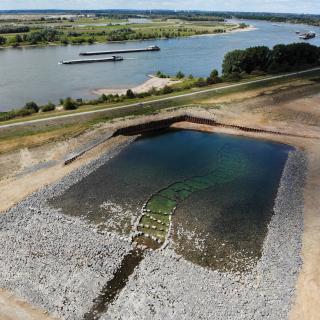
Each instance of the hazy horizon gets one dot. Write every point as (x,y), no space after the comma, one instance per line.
(272,6)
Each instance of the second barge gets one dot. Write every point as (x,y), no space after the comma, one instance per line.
(93,53)
(307,35)
(111,59)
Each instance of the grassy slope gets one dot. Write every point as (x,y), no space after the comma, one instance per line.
(55,130)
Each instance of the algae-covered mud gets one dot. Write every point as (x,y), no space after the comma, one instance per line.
(212,194)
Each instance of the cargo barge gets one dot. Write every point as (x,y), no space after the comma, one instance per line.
(307,35)
(111,59)
(93,53)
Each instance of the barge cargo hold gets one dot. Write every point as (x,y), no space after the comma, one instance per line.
(112,59)
(93,53)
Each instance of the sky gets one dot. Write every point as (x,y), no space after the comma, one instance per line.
(294,6)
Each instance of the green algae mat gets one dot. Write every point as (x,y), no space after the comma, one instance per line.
(156,219)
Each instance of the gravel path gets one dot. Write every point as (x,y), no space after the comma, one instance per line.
(165,286)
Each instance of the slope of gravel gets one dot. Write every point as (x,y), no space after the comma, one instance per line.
(165,286)
(57,262)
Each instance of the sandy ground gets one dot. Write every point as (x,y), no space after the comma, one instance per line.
(295,111)
(153,82)
(307,305)
(12,308)
(14,189)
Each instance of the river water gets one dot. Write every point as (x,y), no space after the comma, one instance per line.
(34,73)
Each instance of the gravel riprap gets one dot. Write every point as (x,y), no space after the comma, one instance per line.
(55,261)
(165,286)
(61,263)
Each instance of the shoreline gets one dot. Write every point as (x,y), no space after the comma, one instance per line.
(33,211)
(253,292)
(235,30)
(152,82)
(96,155)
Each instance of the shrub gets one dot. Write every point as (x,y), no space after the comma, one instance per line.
(23,112)
(130,94)
(48,107)
(166,90)
(3,40)
(32,106)
(14,29)
(214,77)
(179,75)
(234,76)
(200,82)
(4,116)
(69,104)
(160,74)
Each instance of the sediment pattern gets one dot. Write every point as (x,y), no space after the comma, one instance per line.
(155,222)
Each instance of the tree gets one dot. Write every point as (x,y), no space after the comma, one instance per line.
(214,77)
(69,104)
(179,75)
(130,94)
(232,62)
(259,60)
(48,107)
(256,59)
(18,38)
(3,40)
(31,106)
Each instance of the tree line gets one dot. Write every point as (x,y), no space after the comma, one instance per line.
(262,60)
(237,64)
(14,29)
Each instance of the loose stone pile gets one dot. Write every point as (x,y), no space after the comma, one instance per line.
(57,262)
(165,286)
(61,263)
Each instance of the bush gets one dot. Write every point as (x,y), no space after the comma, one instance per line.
(166,90)
(48,107)
(214,77)
(4,116)
(179,75)
(200,82)
(234,77)
(45,35)
(130,94)
(160,74)
(32,106)
(69,104)
(3,40)
(23,112)
(14,29)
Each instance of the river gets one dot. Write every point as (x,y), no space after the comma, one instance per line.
(34,73)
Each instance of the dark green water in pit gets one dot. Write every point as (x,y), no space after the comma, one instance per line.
(220,221)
